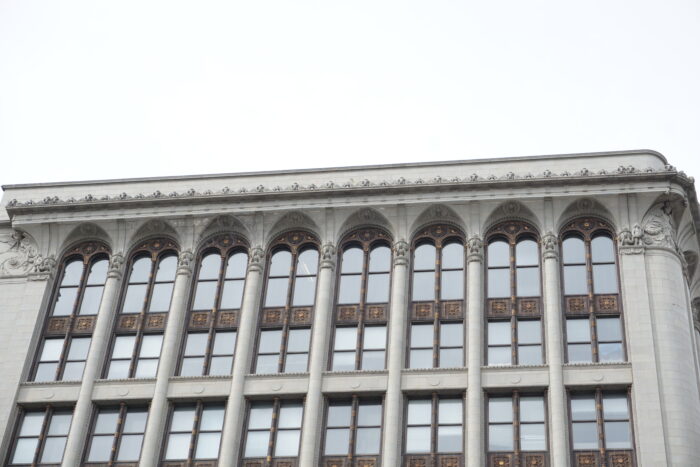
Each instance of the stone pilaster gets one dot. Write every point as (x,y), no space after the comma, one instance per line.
(474,443)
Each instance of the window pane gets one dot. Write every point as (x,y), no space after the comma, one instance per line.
(100,448)
(500,409)
(526,253)
(530,355)
(337,441)
(270,341)
(498,283)
(135,298)
(451,335)
(585,435)
(24,450)
(307,263)
(339,415)
(65,301)
(60,424)
(72,273)
(378,288)
(140,270)
(123,346)
(604,278)
(236,267)
(166,269)
(602,250)
(196,344)
(276,294)
(232,296)
(256,444)
(453,256)
(349,292)
(418,439)
(46,372)
(617,435)
(380,259)
(192,366)
(73,371)
(146,369)
(130,448)
(449,439)
(224,343)
(53,450)
(529,332)
(375,337)
(345,338)
(583,408)
(450,411)
(499,333)
(421,359)
(367,441)
(267,364)
(135,421)
(422,335)
(183,419)
(304,291)
(353,258)
(610,352)
(499,356)
(209,269)
(608,329)
(575,280)
(528,282)
(573,251)
(79,347)
(290,415)
(343,361)
(424,258)
(98,272)
(31,424)
(423,286)
(373,360)
(498,254)
(281,263)
(532,437)
(208,446)
(578,330)
(296,363)
(419,412)
(615,407)
(451,358)
(501,437)
(205,296)
(580,353)
(299,340)
(52,349)
(260,416)
(452,285)
(150,345)
(178,446)
(118,370)
(212,418)
(287,443)
(160,299)
(221,366)
(369,414)
(92,296)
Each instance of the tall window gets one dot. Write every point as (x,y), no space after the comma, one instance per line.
(215,308)
(601,426)
(436,337)
(194,432)
(517,429)
(362,302)
(434,426)
(274,430)
(76,301)
(514,328)
(143,312)
(41,436)
(594,330)
(353,428)
(285,321)
(117,434)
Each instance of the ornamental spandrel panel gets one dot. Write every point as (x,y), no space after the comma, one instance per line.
(128,322)
(336,462)
(84,324)
(529,307)
(577,305)
(227,319)
(418,461)
(347,314)
(620,458)
(533,459)
(255,463)
(450,460)
(156,321)
(57,326)
(284,462)
(376,313)
(499,308)
(605,304)
(367,461)
(301,316)
(586,459)
(502,459)
(452,310)
(200,320)
(272,317)
(423,311)
(204,464)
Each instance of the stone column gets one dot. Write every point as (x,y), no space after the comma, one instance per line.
(168,359)
(558,413)
(393,402)
(235,406)
(313,408)
(100,341)
(474,443)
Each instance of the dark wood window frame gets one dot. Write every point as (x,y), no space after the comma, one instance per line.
(218,319)
(436,311)
(73,325)
(592,306)
(144,323)
(195,434)
(270,459)
(517,456)
(288,317)
(513,309)
(48,412)
(602,456)
(363,314)
(123,410)
(331,460)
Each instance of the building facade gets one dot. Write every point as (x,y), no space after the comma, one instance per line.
(536,311)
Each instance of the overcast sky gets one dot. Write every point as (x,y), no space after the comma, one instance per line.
(109,89)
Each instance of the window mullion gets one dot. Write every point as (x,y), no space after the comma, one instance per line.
(273,428)
(352,438)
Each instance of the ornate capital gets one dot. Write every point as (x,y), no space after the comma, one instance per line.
(400,253)
(184,262)
(115,266)
(44,268)
(631,242)
(550,246)
(257,257)
(475,249)
(328,256)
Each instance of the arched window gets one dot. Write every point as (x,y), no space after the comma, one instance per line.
(514,328)
(143,311)
(68,329)
(212,322)
(359,341)
(591,293)
(290,292)
(436,336)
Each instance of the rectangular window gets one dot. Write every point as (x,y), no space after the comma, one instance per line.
(135,356)
(353,428)
(41,437)
(594,339)
(205,355)
(600,421)
(280,352)
(359,348)
(274,429)
(434,425)
(117,434)
(514,342)
(194,432)
(62,359)
(516,423)
(441,349)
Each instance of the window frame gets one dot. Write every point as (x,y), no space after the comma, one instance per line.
(123,411)
(355,402)
(48,412)
(277,404)
(199,405)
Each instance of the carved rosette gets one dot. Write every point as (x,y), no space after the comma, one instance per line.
(184,262)
(400,253)
(328,256)
(550,246)
(475,249)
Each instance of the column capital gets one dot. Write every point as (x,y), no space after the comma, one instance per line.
(184,262)
(401,253)
(328,256)
(44,268)
(550,246)
(257,258)
(475,249)
(116,261)
(631,241)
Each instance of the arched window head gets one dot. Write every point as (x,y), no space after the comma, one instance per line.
(76,300)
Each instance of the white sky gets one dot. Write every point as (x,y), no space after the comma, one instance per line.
(97,89)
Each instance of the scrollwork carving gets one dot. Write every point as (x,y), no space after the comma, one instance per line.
(44,267)
(21,255)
